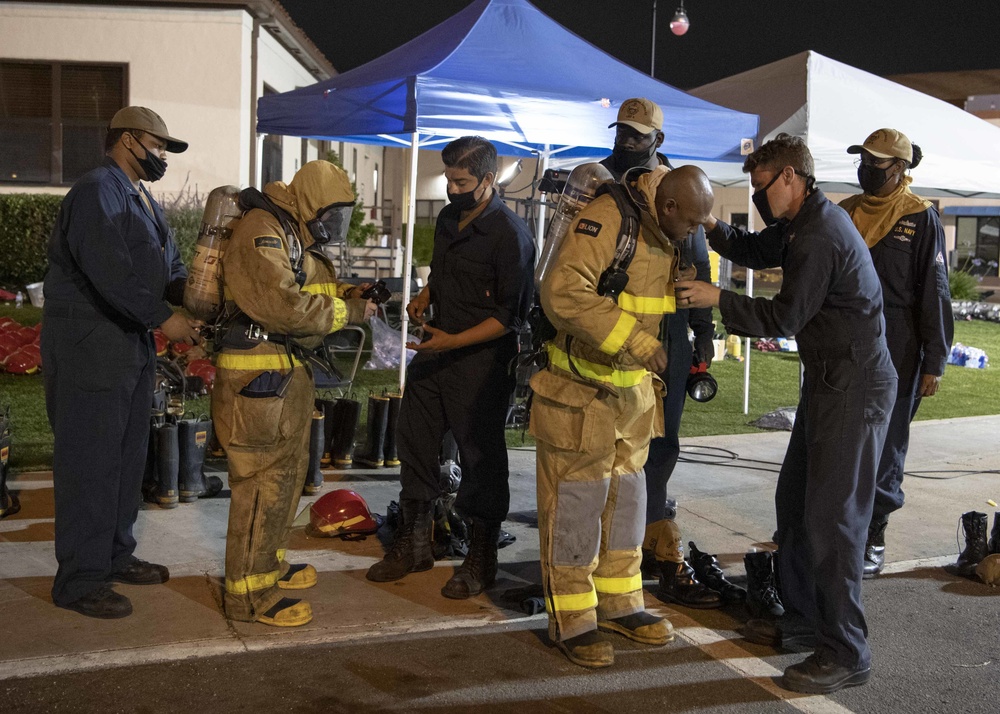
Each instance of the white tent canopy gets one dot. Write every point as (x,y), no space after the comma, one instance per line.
(833,105)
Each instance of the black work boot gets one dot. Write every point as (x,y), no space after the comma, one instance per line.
(590,649)
(192,441)
(326,406)
(9,503)
(314,477)
(782,633)
(976,548)
(346,413)
(373,453)
(707,570)
(818,674)
(411,550)
(479,569)
(167,467)
(994,544)
(762,595)
(104,603)
(391,457)
(678,584)
(875,548)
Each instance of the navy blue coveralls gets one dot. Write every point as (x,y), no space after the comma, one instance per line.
(664,450)
(110,265)
(919,328)
(831,301)
(482,271)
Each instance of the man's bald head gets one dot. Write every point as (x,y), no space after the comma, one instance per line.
(684,201)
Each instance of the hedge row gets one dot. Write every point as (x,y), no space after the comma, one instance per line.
(26,221)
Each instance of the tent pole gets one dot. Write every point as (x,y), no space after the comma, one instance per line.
(746,342)
(540,227)
(411,212)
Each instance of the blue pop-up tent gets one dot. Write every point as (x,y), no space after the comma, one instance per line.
(503,70)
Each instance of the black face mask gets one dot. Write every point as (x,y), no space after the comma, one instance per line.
(152,165)
(465,201)
(624,159)
(872,178)
(763,205)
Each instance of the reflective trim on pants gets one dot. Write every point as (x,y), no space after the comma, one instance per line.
(252,583)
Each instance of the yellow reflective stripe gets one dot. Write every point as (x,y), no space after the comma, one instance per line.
(321,289)
(252,583)
(339,314)
(623,328)
(566,603)
(228,360)
(618,586)
(592,370)
(647,305)
(342,524)
(281,555)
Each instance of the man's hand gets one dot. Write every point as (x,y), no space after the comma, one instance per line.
(928,385)
(704,350)
(710,223)
(696,293)
(439,341)
(356,291)
(656,362)
(418,306)
(178,328)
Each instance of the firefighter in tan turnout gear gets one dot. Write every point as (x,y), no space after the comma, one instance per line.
(282,298)
(597,405)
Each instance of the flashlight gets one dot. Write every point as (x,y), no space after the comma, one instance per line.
(701,386)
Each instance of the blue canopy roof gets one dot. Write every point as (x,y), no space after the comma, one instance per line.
(503,70)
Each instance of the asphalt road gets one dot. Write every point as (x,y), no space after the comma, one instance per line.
(935,639)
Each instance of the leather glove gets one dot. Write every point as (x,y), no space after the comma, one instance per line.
(704,350)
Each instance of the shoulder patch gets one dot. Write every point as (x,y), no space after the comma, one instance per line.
(267,242)
(588,227)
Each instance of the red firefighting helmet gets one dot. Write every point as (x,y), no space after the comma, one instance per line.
(24,361)
(342,512)
(162,342)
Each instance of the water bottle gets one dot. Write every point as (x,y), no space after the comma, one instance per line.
(19,299)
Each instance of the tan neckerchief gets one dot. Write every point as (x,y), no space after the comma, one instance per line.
(875,216)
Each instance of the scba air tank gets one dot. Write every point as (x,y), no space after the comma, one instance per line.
(203,290)
(581,187)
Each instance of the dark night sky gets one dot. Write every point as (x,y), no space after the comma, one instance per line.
(726,37)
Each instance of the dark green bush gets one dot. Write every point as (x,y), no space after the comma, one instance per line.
(963,285)
(423,243)
(26,221)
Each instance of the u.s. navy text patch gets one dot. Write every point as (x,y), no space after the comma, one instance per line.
(267,242)
(588,227)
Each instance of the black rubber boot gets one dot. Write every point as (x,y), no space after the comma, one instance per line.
(392,422)
(678,584)
(479,569)
(707,570)
(346,413)
(192,441)
(373,454)
(167,465)
(763,600)
(976,548)
(327,407)
(875,548)
(314,477)
(994,544)
(411,550)
(9,503)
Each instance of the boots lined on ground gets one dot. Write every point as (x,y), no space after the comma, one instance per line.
(317,444)
(411,550)
(707,570)
(590,649)
(678,583)
(9,503)
(192,440)
(976,546)
(875,548)
(167,465)
(640,627)
(343,429)
(391,456)
(479,569)
(994,542)
(763,600)
(373,453)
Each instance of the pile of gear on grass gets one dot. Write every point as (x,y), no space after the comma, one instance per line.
(20,347)
(981,556)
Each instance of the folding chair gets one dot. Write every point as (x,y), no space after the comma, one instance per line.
(344,349)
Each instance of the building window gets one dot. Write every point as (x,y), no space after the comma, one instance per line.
(54,118)
(977,244)
(427,212)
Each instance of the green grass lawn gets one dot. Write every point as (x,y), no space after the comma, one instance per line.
(774,383)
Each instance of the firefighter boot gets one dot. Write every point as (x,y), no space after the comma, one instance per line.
(762,594)
(976,548)
(994,544)
(390,451)
(411,547)
(641,627)
(167,465)
(327,407)
(314,477)
(346,413)
(373,454)
(678,583)
(707,570)
(192,441)
(590,649)
(875,548)
(479,569)
(9,503)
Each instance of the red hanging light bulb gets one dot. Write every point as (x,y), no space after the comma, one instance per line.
(680,23)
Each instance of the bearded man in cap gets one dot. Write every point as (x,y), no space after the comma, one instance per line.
(113,268)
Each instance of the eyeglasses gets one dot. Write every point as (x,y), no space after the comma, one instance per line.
(872,161)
